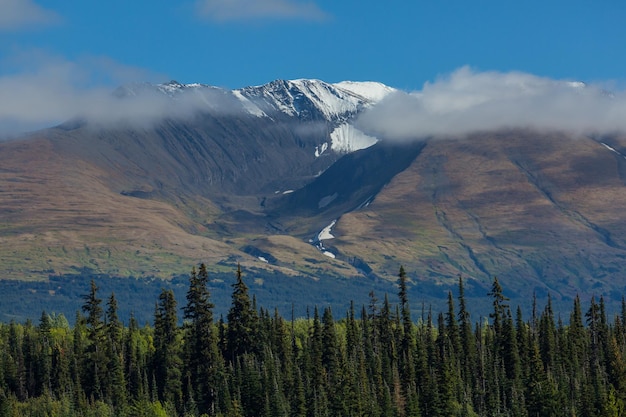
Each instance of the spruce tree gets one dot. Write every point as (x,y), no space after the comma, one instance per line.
(596,389)
(407,344)
(29,355)
(135,362)
(167,355)
(241,334)
(79,360)
(114,380)
(548,337)
(44,374)
(468,346)
(95,367)
(204,363)
(499,306)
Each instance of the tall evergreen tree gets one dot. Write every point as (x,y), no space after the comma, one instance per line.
(79,360)
(548,337)
(596,389)
(407,344)
(114,380)
(44,368)
(468,346)
(241,334)
(204,363)
(95,367)
(167,354)
(499,306)
(407,349)
(135,361)
(334,366)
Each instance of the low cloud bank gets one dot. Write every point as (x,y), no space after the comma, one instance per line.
(467,101)
(39,90)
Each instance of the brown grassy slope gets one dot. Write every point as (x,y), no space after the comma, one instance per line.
(63,206)
(56,212)
(541,210)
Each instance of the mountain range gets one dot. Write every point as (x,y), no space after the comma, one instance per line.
(281,178)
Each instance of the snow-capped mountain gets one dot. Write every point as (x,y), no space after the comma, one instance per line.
(315,100)
(255,175)
(312,99)
(308,100)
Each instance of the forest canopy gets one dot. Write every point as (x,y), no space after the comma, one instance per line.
(373,360)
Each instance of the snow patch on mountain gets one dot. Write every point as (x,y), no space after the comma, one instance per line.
(301,96)
(171,88)
(308,99)
(610,148)
(319,150)
(249,106)
(174,88)
(330,101)
(324,234)
(366,203)
(274,95)
(296,97)
(346,138)
(372,92)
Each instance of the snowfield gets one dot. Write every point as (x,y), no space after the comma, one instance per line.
(325,234)
(337,103)
(347,138)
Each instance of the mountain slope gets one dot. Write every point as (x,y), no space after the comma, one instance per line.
(96,194)
(58,211)
(277,177)
(542,211)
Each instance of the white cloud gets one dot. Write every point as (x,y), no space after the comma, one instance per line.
(230,10)
(18,14)
(40,90)
(467,101)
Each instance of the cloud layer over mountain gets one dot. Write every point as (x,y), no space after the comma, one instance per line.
(467,101)
(41,90)
(54,90)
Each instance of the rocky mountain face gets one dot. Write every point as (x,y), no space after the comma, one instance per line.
(278,177)
(244,142)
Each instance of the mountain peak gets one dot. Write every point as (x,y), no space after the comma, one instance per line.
(312,98)
(308,99)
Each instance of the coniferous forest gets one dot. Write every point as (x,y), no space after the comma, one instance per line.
(373,360)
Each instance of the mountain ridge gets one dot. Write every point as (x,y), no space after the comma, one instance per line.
(265,187)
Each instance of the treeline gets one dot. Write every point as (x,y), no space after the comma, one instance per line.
(23,300)
(374,361)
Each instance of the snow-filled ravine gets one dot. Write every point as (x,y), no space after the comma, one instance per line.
(324,234)
(347,138)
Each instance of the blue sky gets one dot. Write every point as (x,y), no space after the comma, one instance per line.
(235,43)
